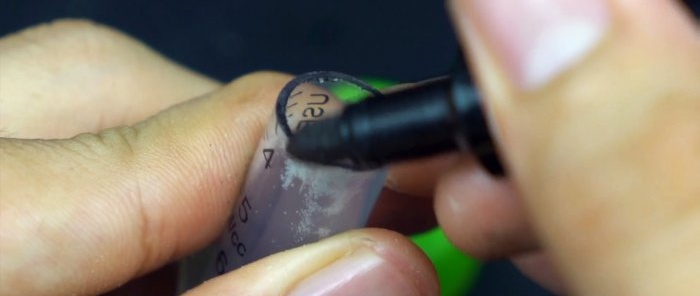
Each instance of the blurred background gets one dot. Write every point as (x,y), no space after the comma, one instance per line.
(401,41)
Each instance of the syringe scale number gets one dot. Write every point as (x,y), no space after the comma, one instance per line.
(239,247)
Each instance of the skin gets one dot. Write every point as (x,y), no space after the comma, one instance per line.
(144,172)
(144,175)
(602,198)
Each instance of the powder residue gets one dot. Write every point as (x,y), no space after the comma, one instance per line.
(325,192)
(316,181)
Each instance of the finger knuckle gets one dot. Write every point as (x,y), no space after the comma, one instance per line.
(257,84)
(115,145)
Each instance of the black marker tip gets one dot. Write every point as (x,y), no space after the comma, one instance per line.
(319,143)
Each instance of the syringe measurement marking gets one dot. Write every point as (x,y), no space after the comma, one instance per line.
(243,209)
(326,98)
(238,246)
(268,154)
(221,262)
(314,110)
(296,94)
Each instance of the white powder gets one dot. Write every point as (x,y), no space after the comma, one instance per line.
(316,185)
(315,181)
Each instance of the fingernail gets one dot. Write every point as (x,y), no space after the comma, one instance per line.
(535,40)
(360,273)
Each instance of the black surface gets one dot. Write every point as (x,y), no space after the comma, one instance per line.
(399,40)
(502,278)
(402,40)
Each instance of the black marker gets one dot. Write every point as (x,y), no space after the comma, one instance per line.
(430,117)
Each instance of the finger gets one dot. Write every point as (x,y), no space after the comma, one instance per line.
(596,107)
(406,203)
(98,209)
(51,72)
(419,177)
(364,262)
(482,215)
(404,213)
(538,267)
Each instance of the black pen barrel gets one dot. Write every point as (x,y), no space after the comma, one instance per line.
(410,123)
(427,118)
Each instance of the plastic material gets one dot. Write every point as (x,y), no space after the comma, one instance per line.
(285,202)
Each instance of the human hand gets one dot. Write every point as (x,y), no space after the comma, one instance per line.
(138,175)
(596,106)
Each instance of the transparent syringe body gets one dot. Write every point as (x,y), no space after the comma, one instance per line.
(286,203)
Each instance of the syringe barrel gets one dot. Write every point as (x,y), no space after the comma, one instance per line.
(286,203)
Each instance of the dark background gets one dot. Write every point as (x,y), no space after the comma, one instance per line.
(403,40)
(394,39)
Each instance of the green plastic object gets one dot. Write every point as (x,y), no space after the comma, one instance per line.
(456,271)
(350,94)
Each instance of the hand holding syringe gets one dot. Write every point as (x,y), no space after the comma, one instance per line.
(285,202)
(603,143)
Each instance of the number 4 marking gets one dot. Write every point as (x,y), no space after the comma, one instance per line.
(268,153)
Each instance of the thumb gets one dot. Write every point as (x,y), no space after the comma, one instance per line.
(99,209)
(361,262)
(596,104)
